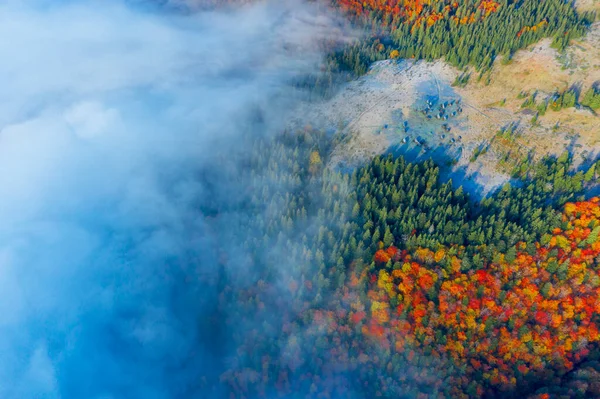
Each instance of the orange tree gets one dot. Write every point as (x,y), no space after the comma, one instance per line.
(527,315)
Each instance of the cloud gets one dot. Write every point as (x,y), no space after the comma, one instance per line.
(107,112)
(90,119)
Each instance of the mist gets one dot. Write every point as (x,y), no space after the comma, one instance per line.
(108,111)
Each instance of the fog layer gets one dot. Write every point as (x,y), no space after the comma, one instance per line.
(107,113)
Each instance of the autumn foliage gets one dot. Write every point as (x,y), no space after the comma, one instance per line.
(384,256)
(533,28)
(417,12)
(531,310)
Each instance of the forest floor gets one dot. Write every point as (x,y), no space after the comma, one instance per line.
(588,5)
(384,111)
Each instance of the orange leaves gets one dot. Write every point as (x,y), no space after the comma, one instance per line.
(520,316)
(489,6)
(439,255)
(354,280)
(474,304)
(380,312)
(425,281)
(392,251)
(542,318)
(382,256)
(522,369)
(455,289)
(593,333)
(532,28)
(455,263)
(417,12)
(582,208)
(419,312)
(373,330)
(433,18)
(424,254)
(482,276)
(357,317)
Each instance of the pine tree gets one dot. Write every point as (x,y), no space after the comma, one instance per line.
(388,238)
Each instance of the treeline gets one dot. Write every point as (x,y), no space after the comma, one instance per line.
(409,200)
(463,32)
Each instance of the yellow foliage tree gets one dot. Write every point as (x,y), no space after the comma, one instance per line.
(314,162)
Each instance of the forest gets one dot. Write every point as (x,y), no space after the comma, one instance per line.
(389,282)
(463,32)
(178,223)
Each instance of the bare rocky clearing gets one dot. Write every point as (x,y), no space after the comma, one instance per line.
(395,107)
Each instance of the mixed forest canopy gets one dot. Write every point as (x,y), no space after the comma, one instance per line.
(170,232)
(387,281)
(463,32)
(394,283)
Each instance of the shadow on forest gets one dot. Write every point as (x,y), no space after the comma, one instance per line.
(472,183)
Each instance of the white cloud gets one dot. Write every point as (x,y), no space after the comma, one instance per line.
(105,114)
(90,119)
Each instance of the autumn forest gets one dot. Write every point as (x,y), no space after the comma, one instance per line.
(300,199)
(398,284)
(390,280)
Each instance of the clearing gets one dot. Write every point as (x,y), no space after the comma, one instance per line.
(413,108)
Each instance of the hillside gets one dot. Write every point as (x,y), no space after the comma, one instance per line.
(427,229)
(300,199)
(406,287)
(510,116)
(464,261)
(464,33)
